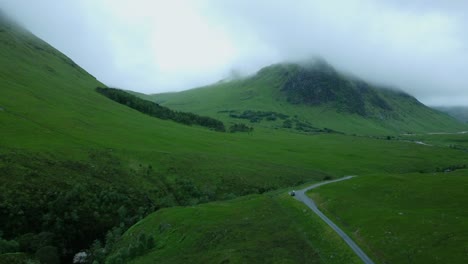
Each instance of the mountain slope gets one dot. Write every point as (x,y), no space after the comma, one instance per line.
(314,94)
(460,112)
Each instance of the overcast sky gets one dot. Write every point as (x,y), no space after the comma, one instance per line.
(151,46)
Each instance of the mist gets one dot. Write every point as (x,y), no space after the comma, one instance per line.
(420,47)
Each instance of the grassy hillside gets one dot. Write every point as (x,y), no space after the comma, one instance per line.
(460,113)
(414,218)
(76,166)
(269,228)
(312,97)
(49,105)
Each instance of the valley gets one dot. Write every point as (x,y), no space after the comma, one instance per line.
(163,178)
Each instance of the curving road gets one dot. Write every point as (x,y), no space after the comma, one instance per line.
(301,196)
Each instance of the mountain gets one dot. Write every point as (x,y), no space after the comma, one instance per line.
(78,169)
(311,97)
(458,112)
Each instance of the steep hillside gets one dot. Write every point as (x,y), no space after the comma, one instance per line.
(460,112)
(311,97)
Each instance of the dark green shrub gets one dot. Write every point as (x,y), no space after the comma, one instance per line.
(287,123)
(150,243)
(156,110)
(48,255)
(8,246)
(240,128)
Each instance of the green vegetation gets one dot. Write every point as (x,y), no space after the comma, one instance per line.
(455,140)
(268,228)
(17,258)
(50,203)
(314,94)
(408,218)
(256,116)
(240,128)
(459,112)
(158,111)
(77,169)
(259,116)
(7,246)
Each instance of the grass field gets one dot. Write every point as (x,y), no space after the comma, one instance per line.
(407,218)
(269,228)
(456,141)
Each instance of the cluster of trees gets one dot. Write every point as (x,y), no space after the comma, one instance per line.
(451,168)
(258,116)
(305,127)
(155,110)
(8,246)
(51,220)
(66,221)
(240,128)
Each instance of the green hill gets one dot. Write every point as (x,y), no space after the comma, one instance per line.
(269,228)
(460,112)
(311,97)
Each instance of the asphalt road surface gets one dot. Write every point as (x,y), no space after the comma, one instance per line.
(301,196)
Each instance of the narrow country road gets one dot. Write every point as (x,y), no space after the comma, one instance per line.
(301,196)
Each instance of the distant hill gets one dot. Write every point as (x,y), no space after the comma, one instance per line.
(459,112)
(312,97)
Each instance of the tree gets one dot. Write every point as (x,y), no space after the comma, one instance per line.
(48,255)
(287,123)
(8,246)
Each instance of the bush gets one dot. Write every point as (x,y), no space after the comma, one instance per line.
(257,116)
(287,123)
(240,128)
(48,255)
(150,242)
(327,178)
(8,246)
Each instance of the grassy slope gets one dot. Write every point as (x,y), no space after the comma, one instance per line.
(262,92)
(269,228)
(50,106)
(414,218)
(460,112)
